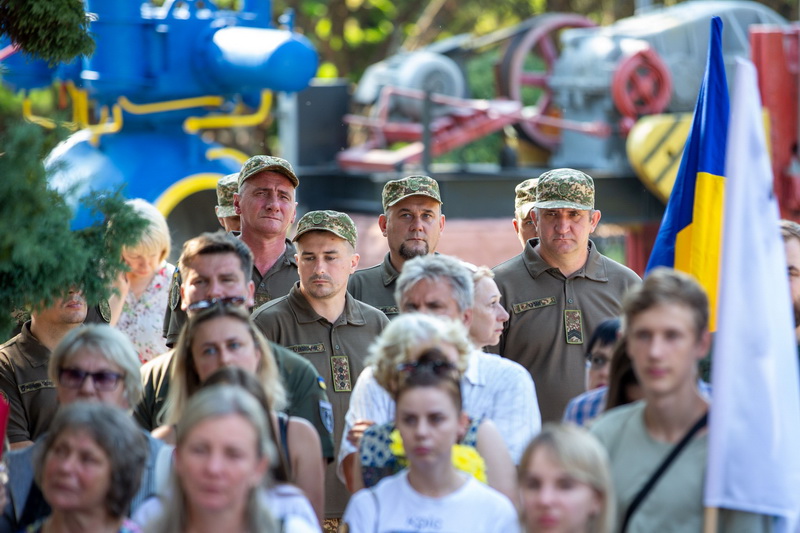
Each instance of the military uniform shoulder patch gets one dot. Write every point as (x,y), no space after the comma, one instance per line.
(326,415)
(105,310)
(175,290)
(533,304)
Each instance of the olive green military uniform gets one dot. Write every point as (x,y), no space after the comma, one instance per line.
(25,385)
(550,314)
(551,317)
(275,283)
(306,391)
(336,350)
(375,286)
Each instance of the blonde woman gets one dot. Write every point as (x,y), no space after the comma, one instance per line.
(142,293)
(565,483)
(224,336)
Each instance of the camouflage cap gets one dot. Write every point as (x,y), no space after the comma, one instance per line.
(337,223)
(227,186)
(564,188)
(525,197)
(262,163)
(396,190)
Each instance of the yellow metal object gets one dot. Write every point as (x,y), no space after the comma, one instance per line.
(229,153)
(27,114)
(184,188)
(195,124)
(655,147)
(170,105)
(104,127)
(80,104)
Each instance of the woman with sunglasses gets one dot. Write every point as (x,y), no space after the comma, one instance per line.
(94,363)
(432,494)
(223,335)
(394,353)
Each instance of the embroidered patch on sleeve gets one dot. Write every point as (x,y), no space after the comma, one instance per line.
(307,348)
(533,304)
(573,324)
(175,290)
(340,373)
(326,415)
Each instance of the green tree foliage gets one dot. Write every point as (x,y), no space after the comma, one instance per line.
(54,30)
(40,257)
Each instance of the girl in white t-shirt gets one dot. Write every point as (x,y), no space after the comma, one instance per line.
(431,495)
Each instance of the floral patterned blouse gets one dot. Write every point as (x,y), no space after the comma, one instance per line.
(142,320)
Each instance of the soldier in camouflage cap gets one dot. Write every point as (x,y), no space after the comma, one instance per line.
(263,163)
(412,222)
(227,186)
(559,289)
(525,196)
(335,222)
(565,188)
(396,190)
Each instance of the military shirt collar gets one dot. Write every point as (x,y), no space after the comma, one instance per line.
(305,314)
(31,349)
(388,272)
(594,269)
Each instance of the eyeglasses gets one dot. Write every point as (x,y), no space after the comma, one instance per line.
(211,302)
(596,362)
(73,378)
(440,368)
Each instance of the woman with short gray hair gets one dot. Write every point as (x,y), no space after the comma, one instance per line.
(88,467)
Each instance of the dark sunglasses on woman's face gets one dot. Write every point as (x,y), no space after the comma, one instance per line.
(440,368)
(73,378)
(211,302)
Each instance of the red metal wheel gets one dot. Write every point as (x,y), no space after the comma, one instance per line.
(641,85)
(527,66)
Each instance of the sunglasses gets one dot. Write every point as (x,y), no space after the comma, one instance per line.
(439,368)
(73,378)
(235,301)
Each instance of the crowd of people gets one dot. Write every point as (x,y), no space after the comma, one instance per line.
(266,383)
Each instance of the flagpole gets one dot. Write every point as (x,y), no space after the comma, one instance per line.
(710,520)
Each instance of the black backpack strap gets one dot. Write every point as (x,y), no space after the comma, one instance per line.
(673,454)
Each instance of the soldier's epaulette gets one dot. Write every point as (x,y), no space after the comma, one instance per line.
(533,304)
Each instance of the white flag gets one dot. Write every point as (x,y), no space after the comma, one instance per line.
(754,426)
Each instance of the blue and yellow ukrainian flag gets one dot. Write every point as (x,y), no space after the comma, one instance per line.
(690,236)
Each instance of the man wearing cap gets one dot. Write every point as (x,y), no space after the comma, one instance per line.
(265,203)
(524,197)
(227,186)
(319,320)
(558,289)
(412,222)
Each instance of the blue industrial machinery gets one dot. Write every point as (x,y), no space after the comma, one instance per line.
(159,76)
